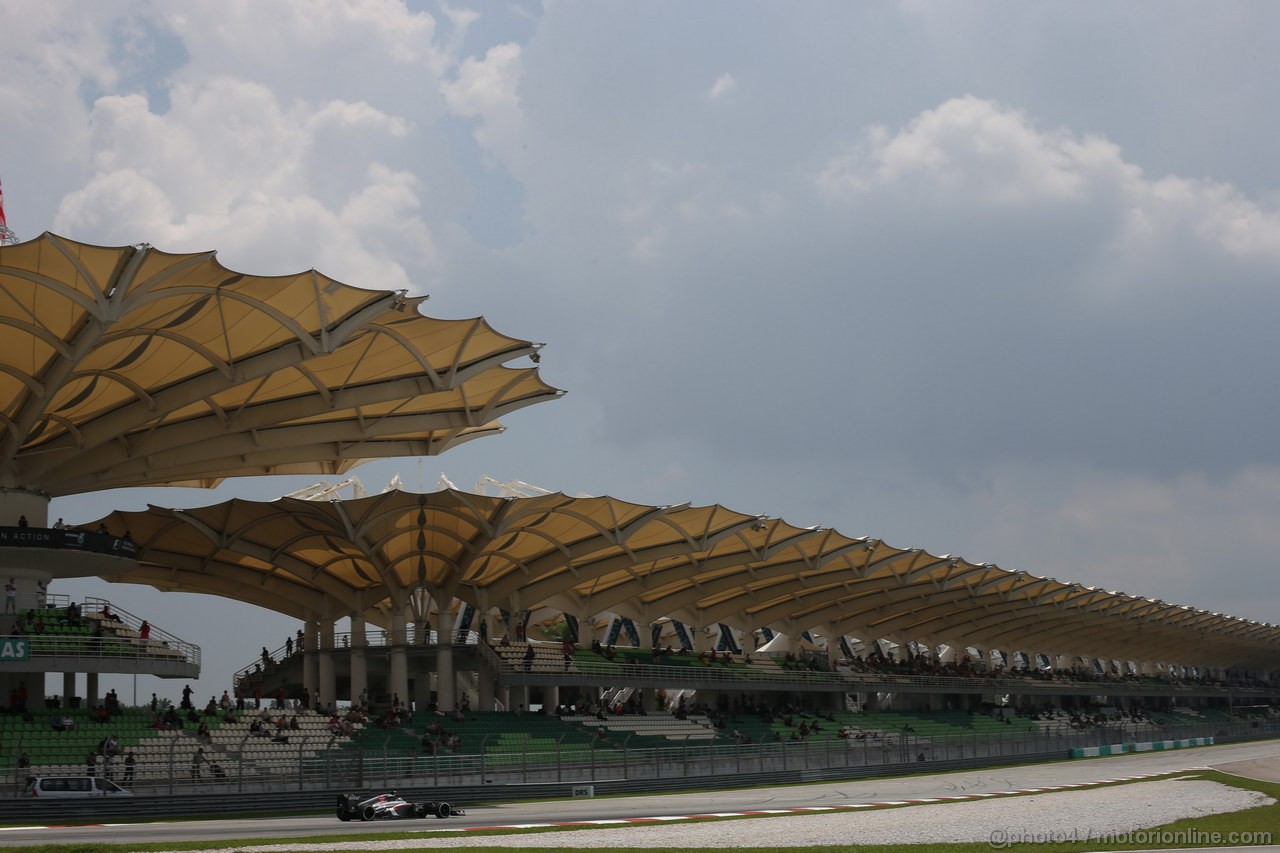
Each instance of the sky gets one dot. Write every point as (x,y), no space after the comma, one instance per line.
(992,279)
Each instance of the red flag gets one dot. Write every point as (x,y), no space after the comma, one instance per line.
(3,224)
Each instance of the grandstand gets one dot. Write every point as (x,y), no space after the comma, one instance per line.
(644,626)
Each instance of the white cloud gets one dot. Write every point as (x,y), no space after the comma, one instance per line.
(488,89)
(975,152)
(724,85)
(229,166)
(360,116)
(319,36)
(976,148)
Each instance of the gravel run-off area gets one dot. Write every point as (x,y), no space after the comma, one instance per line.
(1067,815)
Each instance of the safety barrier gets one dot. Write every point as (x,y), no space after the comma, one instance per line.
(1139,746)
(1158,745)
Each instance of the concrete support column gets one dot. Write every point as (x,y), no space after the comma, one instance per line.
(519,699)
(504,696)
(486,690)
(359,663)
(68,687)
(16,503)
(311,656)
(91,689)
(359,675)
(551,697)
(398,680)
(446,681)
(421,690)
(326,682)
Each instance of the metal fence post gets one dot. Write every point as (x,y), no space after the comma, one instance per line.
(173,746)
(385,741)
(302,747)
(240,763)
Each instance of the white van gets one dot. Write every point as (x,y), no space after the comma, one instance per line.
(74,786)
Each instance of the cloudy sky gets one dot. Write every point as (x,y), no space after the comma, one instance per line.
(991,279)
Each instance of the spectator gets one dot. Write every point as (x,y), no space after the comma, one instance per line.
(91,764)
(144,630)
(197,759)
(22,521)
(129,764)
(42,594)
(11,596)
(24,760)
(59,525)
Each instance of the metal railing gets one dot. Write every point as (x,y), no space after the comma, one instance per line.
(693,674)
(712,675)
(373,639)
(161,646)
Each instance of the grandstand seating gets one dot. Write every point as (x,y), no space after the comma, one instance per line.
(116,639)
(281,750)
(504,738)
(54,752)
(657,729)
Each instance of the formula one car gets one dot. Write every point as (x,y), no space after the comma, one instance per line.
(390,806)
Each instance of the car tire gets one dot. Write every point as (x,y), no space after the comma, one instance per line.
(366,813)
(443,810)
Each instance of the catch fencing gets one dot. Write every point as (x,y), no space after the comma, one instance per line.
(314,763)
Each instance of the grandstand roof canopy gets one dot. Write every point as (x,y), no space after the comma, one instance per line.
(128,366)
(700,565)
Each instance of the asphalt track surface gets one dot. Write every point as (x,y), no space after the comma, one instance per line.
(1255,760)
